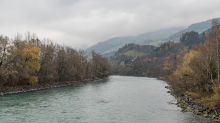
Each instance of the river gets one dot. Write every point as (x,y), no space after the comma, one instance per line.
(120,99)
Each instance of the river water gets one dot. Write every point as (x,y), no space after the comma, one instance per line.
(119,99)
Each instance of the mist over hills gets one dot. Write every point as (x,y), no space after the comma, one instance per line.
(197,27)
(110,46)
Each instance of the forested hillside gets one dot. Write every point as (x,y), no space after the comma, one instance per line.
(130,52)
(194,38)
(31,61)
(168,49)
(109,46)
(197,27)
(192,66)
(146,49)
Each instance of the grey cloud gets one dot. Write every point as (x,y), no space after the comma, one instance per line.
(82,23)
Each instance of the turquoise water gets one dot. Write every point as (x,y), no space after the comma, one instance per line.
(119,99)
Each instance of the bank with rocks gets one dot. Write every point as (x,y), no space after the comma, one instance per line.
(188,104)
(29,88)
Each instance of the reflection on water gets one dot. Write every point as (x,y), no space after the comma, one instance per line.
(118,100)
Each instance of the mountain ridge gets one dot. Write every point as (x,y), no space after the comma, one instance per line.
(110,46)
(113,44)
(199,27)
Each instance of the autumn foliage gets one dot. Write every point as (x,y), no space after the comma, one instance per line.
(197,72)
(30,61)
(191,66)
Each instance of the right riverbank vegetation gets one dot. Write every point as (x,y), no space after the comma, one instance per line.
(192,66)
(30,61)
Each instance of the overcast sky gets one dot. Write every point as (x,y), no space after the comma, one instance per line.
(82,23)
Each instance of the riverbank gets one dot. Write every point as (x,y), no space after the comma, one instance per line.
(29,88)
(188,104)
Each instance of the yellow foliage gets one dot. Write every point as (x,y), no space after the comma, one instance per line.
(29,60)
(33,80)
(31,52)
(184,69)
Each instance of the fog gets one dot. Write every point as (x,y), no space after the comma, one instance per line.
(82,23)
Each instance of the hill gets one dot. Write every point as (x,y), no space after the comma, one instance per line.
(148,60)
(143,49)
(152,62)
(110,46)
(131,51)
(197,27)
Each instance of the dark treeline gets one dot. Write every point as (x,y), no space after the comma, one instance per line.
(192,66)
(126,59)
(31,61)
(139,48)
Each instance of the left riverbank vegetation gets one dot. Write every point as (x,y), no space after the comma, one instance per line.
(30,61)
(192,66)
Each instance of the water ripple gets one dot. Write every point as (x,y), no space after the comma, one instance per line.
(119,100)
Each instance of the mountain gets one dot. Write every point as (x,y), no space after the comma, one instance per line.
(197,27)
(110,46)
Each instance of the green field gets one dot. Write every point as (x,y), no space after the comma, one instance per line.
(133,53)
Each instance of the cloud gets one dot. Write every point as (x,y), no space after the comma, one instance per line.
(82,23)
